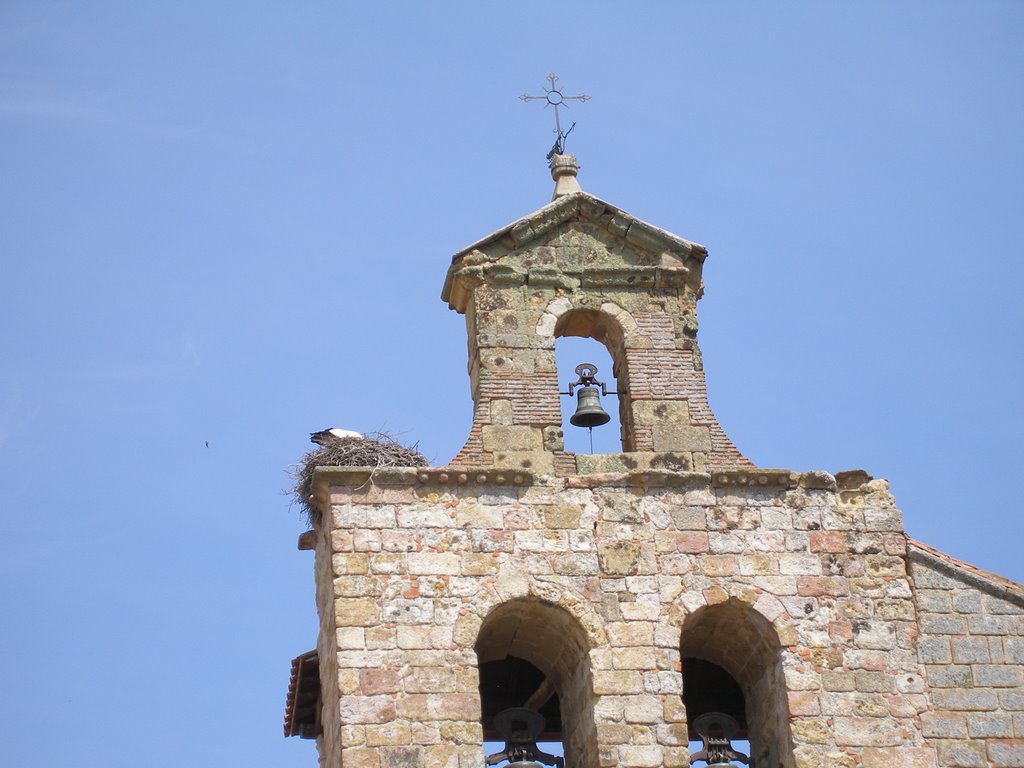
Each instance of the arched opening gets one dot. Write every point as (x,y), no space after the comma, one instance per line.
(607,438)
(535,655)
(590,336)
(731,664)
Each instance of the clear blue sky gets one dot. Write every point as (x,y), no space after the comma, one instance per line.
(230,222)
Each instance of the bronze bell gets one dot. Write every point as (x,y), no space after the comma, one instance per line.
(589,412)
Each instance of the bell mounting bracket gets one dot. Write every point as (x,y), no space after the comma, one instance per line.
(587,373)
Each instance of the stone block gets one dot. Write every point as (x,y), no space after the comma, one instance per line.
(992,625)
(562,515)
(998,675)
(718,565)
(408,611)
(429,680)
(633,657)
(994,604)
(389,563)
(356,612)
(899,757)
(942,624)
(838,680)
(350,638)
(944,725)
(965,699)
(690,518)
(388,734)
(963,753)
(621,558)
(360,757)
(758,564)
(405,756)
(1013,648)
(643,709)
(617,682)
(874,635)
(434,563)
(988,725)
(873,682)
(828,541)
(366,709)
(692,542)
(967,601)
(970,650)
(377,681)
(512,438)
(631,633)
(345,564)
(883,519)
(471,515)
(833,586)
(1006,753)
(867,731)
(811,731)
(926,577)
(681,438)
(949,676)
(474,564)
(441,756)
(644,756)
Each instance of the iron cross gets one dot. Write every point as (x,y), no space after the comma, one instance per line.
(555,98)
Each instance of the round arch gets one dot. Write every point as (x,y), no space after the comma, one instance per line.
(733,646)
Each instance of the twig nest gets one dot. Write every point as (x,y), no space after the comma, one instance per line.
(373,450)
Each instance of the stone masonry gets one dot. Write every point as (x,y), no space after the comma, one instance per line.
(852,645)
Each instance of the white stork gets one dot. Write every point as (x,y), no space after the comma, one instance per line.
(333,434)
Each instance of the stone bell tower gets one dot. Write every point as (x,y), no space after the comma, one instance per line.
(645,600)
(582,267)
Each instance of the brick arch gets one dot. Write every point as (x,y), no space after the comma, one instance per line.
(611,326)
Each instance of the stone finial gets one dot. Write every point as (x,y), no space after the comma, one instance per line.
(563,171)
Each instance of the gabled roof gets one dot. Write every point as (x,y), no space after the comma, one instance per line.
(992,583)
(579,206)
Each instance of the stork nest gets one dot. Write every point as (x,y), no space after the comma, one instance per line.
(374,450)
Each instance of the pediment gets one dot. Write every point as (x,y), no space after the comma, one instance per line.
(574,237)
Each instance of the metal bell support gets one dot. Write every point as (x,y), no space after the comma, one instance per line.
(717,730)
(521,728)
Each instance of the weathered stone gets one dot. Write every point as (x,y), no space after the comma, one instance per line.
(611,573)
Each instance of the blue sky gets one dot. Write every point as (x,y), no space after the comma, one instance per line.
(230,223)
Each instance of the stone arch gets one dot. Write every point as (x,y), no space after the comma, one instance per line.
(732,642)
(534,639)
(508,589)
(608,323)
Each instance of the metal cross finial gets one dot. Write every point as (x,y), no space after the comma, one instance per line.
(555,98)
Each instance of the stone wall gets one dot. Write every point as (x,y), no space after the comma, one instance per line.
(972,645)
(421,558)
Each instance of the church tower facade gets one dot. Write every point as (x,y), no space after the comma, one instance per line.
(630,597)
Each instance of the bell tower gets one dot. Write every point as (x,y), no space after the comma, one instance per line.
(665,605)
(582,267)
